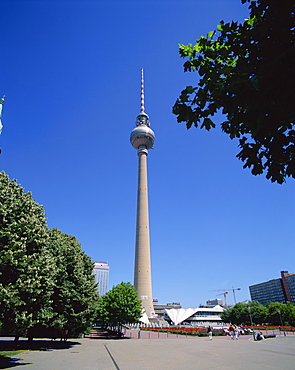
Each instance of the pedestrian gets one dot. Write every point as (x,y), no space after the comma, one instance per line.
(64,334)
(259,336)
(210,332)
(236,331)
(231,330)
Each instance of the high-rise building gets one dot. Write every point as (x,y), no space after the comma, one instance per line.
(142,138)
(101,272)
(288,281)
(277,290)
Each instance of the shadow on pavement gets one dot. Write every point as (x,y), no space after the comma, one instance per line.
(35,345)
(106,336)
(25,345)
(99,333)
(8,362)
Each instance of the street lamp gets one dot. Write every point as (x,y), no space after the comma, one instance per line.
(249,309)
(279,312)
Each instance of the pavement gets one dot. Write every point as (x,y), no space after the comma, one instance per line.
(179,353)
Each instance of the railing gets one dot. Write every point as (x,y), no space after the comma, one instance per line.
(183,332)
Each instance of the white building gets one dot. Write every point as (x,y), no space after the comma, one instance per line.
(101,272)
(195,316)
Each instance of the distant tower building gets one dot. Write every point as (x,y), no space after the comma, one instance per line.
(101,272)
(142,138)
(214,302)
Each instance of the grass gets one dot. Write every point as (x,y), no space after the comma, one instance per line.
(10,353)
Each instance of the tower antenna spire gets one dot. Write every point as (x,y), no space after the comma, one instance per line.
(142,93)
(1,106)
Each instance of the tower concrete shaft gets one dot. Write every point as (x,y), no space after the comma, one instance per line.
(142,138)
(142,267)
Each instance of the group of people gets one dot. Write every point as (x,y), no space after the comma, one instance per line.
(234,331)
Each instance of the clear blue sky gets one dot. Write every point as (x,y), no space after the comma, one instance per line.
(70,71)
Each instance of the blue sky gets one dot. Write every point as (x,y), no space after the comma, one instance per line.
(70,71)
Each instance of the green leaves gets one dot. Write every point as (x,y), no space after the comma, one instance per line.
(220,26)
(45,277)
(239,314)
(23,258)
(120,305)
(208,124)
(254,90)
(211,34)
(75,295)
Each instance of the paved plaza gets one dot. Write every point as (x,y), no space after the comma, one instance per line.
(179,353)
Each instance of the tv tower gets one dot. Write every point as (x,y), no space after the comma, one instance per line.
(142,138)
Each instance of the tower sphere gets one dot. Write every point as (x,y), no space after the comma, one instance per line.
(142,135)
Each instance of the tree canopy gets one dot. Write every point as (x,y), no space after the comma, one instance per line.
(120,305)
(279,313)
(46,279)
(75,294)
(274,313)
(26,266)
(247,72)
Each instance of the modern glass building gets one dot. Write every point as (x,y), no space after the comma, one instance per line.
(290,280)
(277,290)
(101,272)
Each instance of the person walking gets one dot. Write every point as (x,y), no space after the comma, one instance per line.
(231,330)
(210,332)
(236,331)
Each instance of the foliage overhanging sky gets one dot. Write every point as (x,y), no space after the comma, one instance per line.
(70,71)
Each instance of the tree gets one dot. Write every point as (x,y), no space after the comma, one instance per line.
(290,314)
(258,312)
(247,72)
(75,295)
(240,313)
(120,305)
(226,315)
(277,313)
(26,265)
(45,278)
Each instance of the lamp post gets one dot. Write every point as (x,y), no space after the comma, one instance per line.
(279,312)
(249,309)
